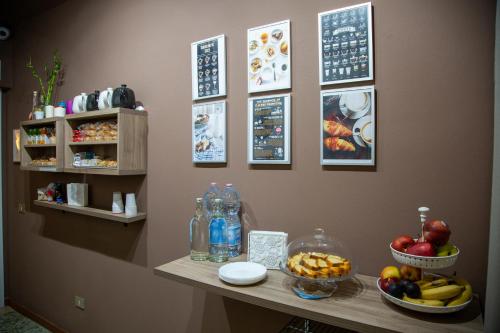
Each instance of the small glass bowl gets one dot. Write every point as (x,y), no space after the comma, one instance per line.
(318,287)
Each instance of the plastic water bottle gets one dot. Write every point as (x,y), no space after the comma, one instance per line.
(198,233)
(231,199)
(209,199)
(217,234)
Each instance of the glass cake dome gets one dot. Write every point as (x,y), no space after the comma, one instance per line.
(317,262)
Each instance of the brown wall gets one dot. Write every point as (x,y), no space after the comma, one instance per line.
(434,80)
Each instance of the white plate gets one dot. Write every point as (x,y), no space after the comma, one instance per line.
(242,273)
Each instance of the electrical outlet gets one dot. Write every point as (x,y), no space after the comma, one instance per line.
(21,207)
(80,302)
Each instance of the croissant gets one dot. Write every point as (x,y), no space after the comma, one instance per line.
(335,129)
(336,144)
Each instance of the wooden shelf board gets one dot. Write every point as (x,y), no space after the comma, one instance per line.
(105,171)
(106,113)
(92,143)
(41,168)
(40,145)
(89,211)
(356,305)
(40,121)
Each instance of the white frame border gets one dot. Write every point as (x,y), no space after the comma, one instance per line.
(289,54)
(221,50)
(346,162)
(370,45)
(223,102)
(287,110)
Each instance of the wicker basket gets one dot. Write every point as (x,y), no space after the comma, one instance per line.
(424,262)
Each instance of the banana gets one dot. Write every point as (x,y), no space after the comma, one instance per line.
(420,301)
(443,292)
(464,296)
(433,284)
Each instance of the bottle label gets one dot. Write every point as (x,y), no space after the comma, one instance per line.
(234,235)
(218,233)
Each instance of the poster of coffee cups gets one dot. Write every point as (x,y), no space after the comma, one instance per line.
(269,53)
(209,132)
(345,44)
(208,68)
(348,126)
(269,130)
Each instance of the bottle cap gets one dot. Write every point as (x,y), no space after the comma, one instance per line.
(229,185)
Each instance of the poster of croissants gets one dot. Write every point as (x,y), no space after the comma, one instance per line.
(348,126)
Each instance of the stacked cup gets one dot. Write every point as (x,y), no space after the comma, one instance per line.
(117,207)
(130,205)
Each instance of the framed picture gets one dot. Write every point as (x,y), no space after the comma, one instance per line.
(208,68)
(268,55)
(16,146)
(345,45)
(269,130)
(348,126)
(209,132)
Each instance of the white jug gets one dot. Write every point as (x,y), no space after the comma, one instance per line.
(79,103)
(105,98)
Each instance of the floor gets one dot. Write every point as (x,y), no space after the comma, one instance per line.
(14,322)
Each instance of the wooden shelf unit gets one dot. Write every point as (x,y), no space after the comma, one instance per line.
(129,150)
(89,211)
(33,151)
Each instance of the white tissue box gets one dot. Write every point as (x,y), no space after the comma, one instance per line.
(267,248)
(78,194)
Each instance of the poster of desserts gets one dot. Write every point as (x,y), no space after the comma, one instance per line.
(269,55)
(348,126)
(208,68)
(209,132)
(345,45)
(269,129)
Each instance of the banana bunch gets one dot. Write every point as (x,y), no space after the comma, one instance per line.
(442,291)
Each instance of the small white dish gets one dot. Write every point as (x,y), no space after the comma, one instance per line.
(242,273)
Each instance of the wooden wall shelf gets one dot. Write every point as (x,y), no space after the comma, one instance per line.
(129,150)
(29,152)
(89,211)
(356,305)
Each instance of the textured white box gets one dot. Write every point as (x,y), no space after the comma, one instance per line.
(78,194)
(267,247)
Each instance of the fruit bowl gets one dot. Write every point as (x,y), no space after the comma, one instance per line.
(421,307)
(318,284)
(424,262)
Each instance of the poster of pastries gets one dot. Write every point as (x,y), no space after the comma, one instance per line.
(269,57)
(16,146)
(209,132)
(348,126)
(269,129)
(208,68)
(345,45)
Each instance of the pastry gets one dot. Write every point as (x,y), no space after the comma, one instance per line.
(335,129)
(336,144)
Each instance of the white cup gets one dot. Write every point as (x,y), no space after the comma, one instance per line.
(117,206)
(49,111)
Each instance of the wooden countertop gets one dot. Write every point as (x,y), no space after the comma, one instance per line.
(356,305)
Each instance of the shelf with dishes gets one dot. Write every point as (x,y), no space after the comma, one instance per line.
(42,146)
(106,142)
(89,211)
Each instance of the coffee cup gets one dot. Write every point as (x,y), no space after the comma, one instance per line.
(366,133)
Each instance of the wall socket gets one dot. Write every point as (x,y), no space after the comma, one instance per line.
(80,302)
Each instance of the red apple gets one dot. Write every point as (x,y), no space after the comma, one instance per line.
(402,243)
(385,283)
(424,249)
(410,273)
(436,232)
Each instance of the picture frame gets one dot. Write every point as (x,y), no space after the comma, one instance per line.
(209,134)
(269,57)
(16,145)
(345,45)
(208,68)
(268,129)
(348,126)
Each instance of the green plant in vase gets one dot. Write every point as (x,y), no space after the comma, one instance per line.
(52,77)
